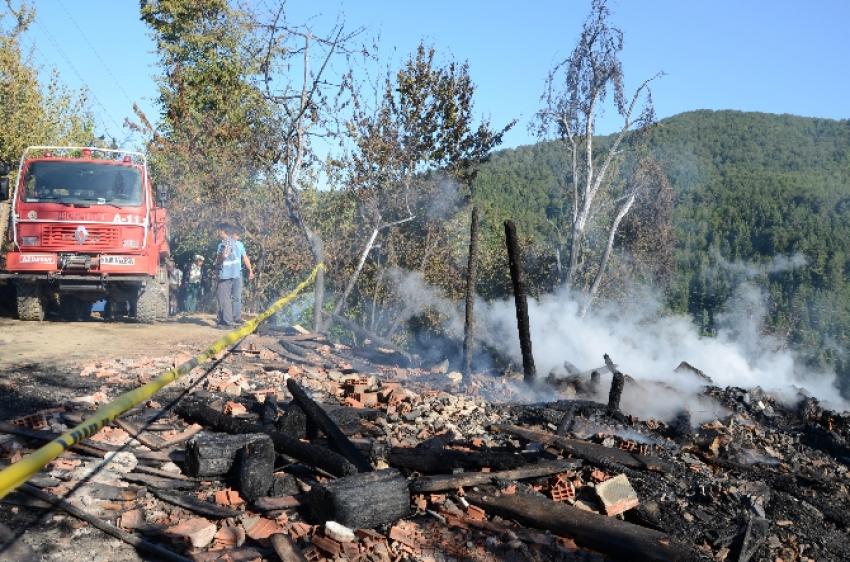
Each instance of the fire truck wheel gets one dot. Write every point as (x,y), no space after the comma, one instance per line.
(30,301)
(152,303)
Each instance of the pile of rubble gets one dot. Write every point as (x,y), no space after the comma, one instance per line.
(294,448)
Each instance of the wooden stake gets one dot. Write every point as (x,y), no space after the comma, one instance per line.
(521,301)
(471,276)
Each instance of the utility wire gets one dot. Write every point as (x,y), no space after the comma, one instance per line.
(96,53)
(59,50)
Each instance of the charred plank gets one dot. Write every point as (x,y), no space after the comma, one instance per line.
(455,481)
(434,461)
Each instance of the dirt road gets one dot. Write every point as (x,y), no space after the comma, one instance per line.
(40,362)
(23,344)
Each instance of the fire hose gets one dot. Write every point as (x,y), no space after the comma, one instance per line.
(18,473)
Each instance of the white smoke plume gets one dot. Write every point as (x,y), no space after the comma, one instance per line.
(648,344)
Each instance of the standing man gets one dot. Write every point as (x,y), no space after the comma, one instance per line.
(175,280)
(227,263)
(237,285)
(193,279)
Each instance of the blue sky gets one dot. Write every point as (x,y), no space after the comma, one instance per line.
(777,56)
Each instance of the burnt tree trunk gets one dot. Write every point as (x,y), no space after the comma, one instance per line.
(521,301)
(471,276)
(362,501)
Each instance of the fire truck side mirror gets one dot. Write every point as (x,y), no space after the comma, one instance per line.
(161,195)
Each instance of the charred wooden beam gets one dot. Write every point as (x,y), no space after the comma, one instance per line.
(294,421)
(213,454)
(471,277)
(294,348)
(616,539)
(591,452)
(149,440)
(521,301)
(280,350)
(455,481)
(337,438)
(312,455)
(363,500)
(437,461)
(87,447)
(159,482)
(829,442)
(255,469)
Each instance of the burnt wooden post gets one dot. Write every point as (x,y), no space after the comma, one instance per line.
(617,382)
(521,301)
(471,276)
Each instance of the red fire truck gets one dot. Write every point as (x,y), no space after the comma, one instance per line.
(84,225)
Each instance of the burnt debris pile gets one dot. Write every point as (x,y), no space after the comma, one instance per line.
(295,448)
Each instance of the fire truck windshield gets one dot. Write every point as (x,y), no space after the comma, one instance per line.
(85,183)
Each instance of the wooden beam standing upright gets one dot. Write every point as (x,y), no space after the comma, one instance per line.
(471,277)
(521,301)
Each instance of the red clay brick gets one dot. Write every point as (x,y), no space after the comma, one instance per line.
(476,513)
(261,528)
(327,544)
(199,532)
(132,519)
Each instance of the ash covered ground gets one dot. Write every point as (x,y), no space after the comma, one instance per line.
(754,478)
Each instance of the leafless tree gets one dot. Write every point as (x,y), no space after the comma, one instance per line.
(576,92)
(301,108)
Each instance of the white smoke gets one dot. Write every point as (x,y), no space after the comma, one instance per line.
(647,343)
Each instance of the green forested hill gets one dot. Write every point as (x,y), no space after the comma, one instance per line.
(749,186)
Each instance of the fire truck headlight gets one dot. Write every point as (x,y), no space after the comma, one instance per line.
(29,241)
(131,243)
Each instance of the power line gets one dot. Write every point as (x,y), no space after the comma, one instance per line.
(96,54)
(67,59)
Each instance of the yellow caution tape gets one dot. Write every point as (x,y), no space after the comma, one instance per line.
(13,476)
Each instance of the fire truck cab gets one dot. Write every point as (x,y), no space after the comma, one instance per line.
(84,225)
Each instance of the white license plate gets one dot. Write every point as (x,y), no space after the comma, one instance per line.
(117,260)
